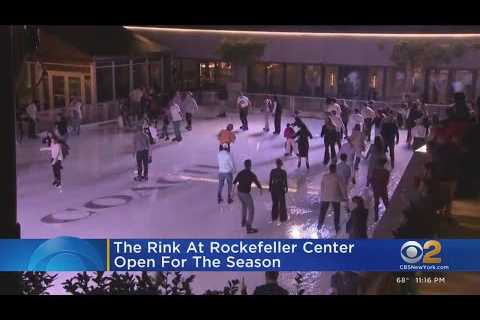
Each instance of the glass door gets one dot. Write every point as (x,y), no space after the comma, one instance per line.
(59,94)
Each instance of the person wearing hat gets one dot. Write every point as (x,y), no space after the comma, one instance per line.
(190,106)
(226,169)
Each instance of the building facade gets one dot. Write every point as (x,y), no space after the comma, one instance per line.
(316,65)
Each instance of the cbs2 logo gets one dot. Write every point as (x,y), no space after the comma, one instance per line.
(413,252)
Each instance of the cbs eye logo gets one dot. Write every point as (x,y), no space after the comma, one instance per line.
(413,252)
(66,254)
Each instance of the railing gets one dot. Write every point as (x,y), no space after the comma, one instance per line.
(90,114)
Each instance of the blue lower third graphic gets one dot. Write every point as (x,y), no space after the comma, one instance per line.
(73,254)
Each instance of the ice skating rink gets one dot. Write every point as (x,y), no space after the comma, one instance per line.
(99,198)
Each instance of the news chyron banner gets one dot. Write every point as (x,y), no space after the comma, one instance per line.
(73,254)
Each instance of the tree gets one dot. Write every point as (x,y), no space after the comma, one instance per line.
(414,56)
(241,53)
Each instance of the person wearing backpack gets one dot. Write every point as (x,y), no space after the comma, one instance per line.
(57,155)
(278,187)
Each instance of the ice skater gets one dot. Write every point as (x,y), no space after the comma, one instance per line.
(357,138)
(391,137)
(141,145)
(278,187)
(243,103)
(332,192)
(226,169)
(165,114)
(57,156)
(368,115)
(330,136)
(226,136)
(374,154)
(176,116)
(302,136)
(267,113)
(76,112)
(289,134)
(277,111)
(380,178)
(190,106)
(245,178)
(344,172)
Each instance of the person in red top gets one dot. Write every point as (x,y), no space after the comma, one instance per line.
(380,178)
(289,133)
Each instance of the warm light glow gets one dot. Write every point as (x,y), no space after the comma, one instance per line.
(332,79)
(374,81)
(422,149)
(311,34)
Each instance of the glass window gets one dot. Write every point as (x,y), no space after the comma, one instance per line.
(419,84)
(331,83)
(256,77)
(351,82)
(313,80)
(156,76)
(438,86)
(293,81)
(396,83)
(224,73)
(58,91)
(190,74)
(74,87)
(464,82)
(104,84)
(122,81)
(275,78)
(207,75)
(88,90)
(140,75)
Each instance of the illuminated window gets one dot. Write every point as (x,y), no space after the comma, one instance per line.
(374,81)
(332,79)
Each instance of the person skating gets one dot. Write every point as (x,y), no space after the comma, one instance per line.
(413,114)
(330,138)
(267,109)
(243,103)
(176,116)
(391,137)
(380,178)
(302,136)
(374,154)
(77,115)
(369,116)
(61,127)
(345,115)
(332,192)
(245,178)
(344,172)
(278,187)
(338,123)
(57,156)
(332,105)
(356,119)
(190,106)
(226,136)
(357,138)
(165,114)
(357,224)
(271,287)
(226,169)
(141,145)
(277,112)
(32,110)
(289,134)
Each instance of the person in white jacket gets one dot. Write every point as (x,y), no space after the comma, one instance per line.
(332,191)
(176,116)
(189,106)
(339,126)
(226,170)
(56,162)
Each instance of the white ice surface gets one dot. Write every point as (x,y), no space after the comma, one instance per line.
(101,164)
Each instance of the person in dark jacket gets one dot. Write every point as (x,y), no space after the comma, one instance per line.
(357,224)
(347,283)
(330,137)
(278,187)
(413,115)
(390,135)
(277,111)
(271,287)
(245,178)
(302,136)
(62,127)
